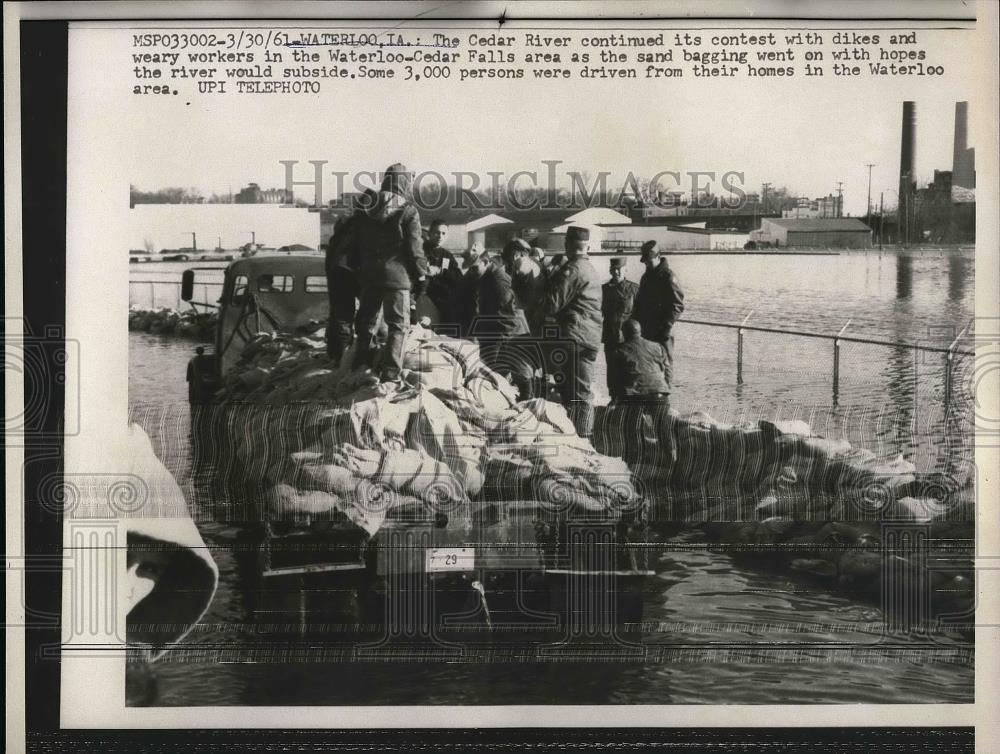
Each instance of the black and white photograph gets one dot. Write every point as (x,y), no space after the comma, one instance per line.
(528,364)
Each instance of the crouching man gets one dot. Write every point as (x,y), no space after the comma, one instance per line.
(641,395)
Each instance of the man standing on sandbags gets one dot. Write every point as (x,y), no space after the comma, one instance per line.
(390,246)
(501,318)
(617,299)
(573,300)
(658,303)
(342,264)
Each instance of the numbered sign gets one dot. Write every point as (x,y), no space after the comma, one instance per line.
(451,559)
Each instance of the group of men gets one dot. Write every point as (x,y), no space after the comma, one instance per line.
(532,317)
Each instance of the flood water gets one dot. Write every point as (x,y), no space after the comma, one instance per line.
(718,631)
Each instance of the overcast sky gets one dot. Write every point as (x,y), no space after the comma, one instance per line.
(804,133)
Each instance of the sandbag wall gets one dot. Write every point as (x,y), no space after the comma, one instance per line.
(776,494)
(184,324)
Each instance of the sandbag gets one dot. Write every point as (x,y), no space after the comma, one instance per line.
(436,431)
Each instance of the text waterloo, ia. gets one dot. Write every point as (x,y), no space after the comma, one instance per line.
(728,52)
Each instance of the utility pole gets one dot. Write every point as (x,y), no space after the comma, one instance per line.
(868,207)
(763,197)
(881,217)
(840,198)
(194,241)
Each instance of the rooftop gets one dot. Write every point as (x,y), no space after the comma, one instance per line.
(812,224)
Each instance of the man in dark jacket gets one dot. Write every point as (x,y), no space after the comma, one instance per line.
(636,368)
(501,319)
(342,263)
(617,298)
(640,415)
(201,377)
(573,300)
(443,278)
(658,303)
(390,245)
(466,305)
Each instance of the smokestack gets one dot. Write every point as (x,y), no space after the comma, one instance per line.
(963,166)
(907,159)
(907,153)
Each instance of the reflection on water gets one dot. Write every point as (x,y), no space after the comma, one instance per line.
(716,631)
(959,273)
(904,276)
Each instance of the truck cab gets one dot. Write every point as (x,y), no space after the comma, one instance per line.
(263,294)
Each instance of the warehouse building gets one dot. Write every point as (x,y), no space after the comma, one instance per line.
(671,237)
(822,233)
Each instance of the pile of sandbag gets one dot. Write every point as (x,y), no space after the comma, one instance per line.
(448,434)
(776,494)
(281,368)
(185,324)
(698,469)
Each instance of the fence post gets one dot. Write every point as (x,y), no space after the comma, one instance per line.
(947,381)
(836,363)
(739,349)
(739,356)
(949,359)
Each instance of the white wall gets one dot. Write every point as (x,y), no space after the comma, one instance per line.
(667,237)
(169,226)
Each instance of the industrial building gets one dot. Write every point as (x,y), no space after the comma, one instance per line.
(821,233)
(671,237)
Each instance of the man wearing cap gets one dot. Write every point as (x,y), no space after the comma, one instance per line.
(617,299)
(658,303)
(501,318)
(475,262)
(390,247)
(573,300)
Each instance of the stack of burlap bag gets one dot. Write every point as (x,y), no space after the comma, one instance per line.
(703,470)
(775,493)
(447,437)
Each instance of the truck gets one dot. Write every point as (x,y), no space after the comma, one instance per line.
(487,571)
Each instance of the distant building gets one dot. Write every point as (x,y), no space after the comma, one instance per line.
(824,206)
(254,194)
(831,233)
(629,237)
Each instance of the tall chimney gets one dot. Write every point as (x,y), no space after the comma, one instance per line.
(963,170)
(907,159)
(907,153)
